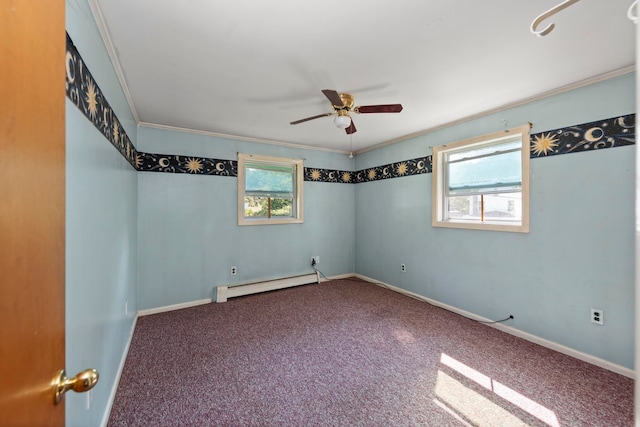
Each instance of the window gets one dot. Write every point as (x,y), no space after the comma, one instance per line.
(269,190)
(483,183)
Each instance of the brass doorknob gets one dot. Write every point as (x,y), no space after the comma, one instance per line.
(83,381)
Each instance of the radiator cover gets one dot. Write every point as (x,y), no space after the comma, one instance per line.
(224,292)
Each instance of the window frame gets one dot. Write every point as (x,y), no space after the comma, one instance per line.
(439,194)
(298,183)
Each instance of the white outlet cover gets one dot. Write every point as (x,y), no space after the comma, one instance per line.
(597,316)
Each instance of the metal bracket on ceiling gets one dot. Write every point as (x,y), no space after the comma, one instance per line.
(536,22)
(633,17)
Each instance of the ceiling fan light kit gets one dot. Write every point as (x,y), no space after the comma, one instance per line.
(342,119)
(343,104)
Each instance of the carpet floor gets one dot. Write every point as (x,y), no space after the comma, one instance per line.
(350,353)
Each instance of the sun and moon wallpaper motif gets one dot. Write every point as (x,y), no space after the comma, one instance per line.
(608,133)
(187,164)
(84,92)
(392,170)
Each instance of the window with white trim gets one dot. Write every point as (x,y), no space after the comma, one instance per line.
(269,190)
(483,183)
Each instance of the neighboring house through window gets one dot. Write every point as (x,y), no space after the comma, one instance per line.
(483,183)
(269,190)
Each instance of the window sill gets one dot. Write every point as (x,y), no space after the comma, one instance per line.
(492,226)
(272,221)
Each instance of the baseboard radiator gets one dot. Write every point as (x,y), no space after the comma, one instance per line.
(235,290)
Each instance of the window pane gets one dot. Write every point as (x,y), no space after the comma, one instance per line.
(258,207)
(281,207)
(501,207)
(465,208)
(271,182)
(493,171)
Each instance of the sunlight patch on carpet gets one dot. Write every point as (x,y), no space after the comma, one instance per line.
(462,398)
(473,406)
(404,336)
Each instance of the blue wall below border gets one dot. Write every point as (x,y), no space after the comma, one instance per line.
(101,232)
(189,236)
(577,256)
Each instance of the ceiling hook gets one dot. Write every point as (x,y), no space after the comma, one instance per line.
(630,14)
(536,22)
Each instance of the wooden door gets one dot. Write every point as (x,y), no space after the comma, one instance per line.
(32,210)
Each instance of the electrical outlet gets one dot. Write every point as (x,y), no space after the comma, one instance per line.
(234,270)
(597,316)
(403,268)
(315,260)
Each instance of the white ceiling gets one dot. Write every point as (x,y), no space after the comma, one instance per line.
(248,68)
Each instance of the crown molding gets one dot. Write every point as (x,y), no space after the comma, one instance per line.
(557,91)
(239,138)
(111,51)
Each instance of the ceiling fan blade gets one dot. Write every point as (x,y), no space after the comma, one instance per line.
(351,129)
(333,96)
(387,108)
(311,118)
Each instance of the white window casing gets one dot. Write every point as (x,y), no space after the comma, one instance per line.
(485,172)
(293,190)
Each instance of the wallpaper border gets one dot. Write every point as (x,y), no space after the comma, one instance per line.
(617,131)
(83,91)
(187,164)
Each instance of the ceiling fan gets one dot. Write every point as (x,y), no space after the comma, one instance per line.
(342,104)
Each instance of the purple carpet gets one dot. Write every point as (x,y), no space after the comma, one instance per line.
(350,353)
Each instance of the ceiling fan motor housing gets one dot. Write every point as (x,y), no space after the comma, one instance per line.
(347,101)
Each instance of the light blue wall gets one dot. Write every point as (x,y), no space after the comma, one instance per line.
(189,236)
(101,232)
(176,235)
(578,255)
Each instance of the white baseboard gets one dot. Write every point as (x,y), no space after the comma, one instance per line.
(338,277)
(156,310)
(513,331)
(166,308)
(114,388)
